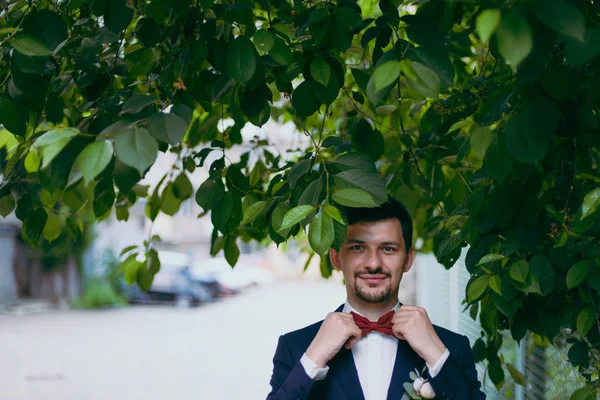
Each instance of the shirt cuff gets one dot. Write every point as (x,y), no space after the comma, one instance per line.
(312,370)
(437,367)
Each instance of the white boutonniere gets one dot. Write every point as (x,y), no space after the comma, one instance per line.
(418,387)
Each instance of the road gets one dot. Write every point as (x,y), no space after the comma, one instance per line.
(219,351)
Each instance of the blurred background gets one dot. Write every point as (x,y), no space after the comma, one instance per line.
(70,328)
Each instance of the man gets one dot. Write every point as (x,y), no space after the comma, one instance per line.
(368,347)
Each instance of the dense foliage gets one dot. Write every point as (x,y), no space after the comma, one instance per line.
(481,116)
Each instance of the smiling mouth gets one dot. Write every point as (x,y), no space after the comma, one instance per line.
(373,279)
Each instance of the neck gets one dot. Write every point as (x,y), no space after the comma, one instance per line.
(373,311)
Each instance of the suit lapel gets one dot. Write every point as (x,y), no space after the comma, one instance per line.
(406,360)
(343,369)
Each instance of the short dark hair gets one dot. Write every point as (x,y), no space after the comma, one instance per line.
(392,208)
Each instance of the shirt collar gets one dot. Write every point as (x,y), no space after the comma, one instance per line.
(348,308)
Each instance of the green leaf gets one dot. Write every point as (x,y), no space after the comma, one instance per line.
(53,142)
(561,17)
(357,198)
(577,52)
(10,117)
(335,213)
(367,140)
(253,211)
(460,124)
(371,183)
(182,187)
(525,139)
(488,258)
(298,171)
(294,216)
(104,197)
(168,128)
(579,354)
(496,373)
(480,138)
(577,274)
(385,110)
(304,100)
(486,24)
(320,233)
(426,81)
(497,162)
(356,160)
(33,225)
(263,40)
(496,284)
(281,53)
(320,71)
(449,244)
(477,288)
(209,194)
(519,271)
(553,84)
(32,161)
(227,215)
(117,15)
(29,45)
(582,393)
(515,38)
(435,58)
(325,267)
(515,374)
(52,228)
(137,149)
(586,320)
(137,103)
(238,179)
(277,219)
(242,60)
(590,204)
(386,74)
(327,94)
(94,158)
(541,268)
(7,204)
(130,269)
(231,250)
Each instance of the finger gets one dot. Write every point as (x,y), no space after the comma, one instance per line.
(413,308)
(351,342)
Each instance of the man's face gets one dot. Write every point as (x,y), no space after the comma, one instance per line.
(373,259)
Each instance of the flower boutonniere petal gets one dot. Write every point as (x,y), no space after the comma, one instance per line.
(419,388)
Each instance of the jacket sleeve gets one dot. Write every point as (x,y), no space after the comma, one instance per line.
(457,380)
(289,380)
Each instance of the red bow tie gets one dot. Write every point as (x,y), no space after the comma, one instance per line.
(383,324)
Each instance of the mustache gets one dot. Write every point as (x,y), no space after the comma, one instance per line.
(378,271)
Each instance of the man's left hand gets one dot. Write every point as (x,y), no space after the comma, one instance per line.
(412,324)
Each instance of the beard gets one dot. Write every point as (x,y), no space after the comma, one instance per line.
(370,294)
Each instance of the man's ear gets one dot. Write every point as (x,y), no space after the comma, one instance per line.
(334,257)
(410,257)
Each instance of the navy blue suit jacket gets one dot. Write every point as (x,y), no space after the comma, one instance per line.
(457,380)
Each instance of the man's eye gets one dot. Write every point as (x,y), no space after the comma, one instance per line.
(356,247)
(389,249)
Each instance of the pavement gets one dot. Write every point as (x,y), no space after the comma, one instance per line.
(217,351)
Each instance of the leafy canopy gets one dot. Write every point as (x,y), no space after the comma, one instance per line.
(482,116)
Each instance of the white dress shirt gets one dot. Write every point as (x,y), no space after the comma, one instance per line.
(374,356)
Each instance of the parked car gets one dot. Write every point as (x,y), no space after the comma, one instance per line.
(174,284)
(237,279)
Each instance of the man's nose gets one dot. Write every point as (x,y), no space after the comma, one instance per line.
(373,261)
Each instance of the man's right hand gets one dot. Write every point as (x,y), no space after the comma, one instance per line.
(338,329)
